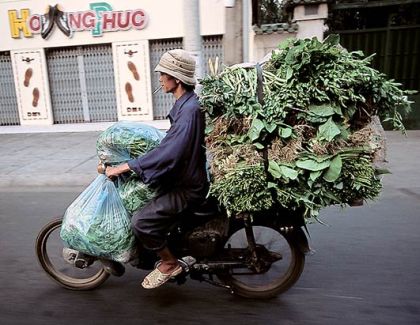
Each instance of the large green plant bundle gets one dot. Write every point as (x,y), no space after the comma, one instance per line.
(312,140)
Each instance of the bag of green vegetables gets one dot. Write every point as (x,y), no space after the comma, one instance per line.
(97,223)
(126,140)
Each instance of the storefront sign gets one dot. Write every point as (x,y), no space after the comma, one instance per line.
(99,19)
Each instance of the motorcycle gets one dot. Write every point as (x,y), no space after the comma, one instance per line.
(253,256)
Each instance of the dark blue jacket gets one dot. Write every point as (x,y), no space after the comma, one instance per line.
(180,159)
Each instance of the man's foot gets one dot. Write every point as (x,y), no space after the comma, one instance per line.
(161,275)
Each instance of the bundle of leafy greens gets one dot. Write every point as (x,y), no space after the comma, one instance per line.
(311,140)
(134,193)
(126,140)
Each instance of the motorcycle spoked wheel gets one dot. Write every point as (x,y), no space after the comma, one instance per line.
(278,277)
(49,247)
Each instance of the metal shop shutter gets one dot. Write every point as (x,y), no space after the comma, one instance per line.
(162,103)
(9,114)
(100,83)
(212,48)
(82,84)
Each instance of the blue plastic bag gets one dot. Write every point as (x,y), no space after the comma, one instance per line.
(97,223)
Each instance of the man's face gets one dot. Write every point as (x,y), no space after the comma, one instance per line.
(168,83)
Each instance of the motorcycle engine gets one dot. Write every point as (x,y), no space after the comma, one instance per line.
(206,240)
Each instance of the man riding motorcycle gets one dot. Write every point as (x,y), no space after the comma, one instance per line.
(177,167)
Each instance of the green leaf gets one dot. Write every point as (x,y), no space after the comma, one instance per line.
(332,39)
(271,185)
(289,56)
(259,145)
(289,73)
(209,128)
(284,45)
(322,110)
(334,171)
(285,132)
(339,186)
(328,131)
(270,127)
(312,165)
(255,130)
(314,175)
(337,110)
(289,172)
(321,158)
(278,171)
(274,169)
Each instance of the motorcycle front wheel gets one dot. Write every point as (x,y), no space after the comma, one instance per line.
(283,272)
(49,248)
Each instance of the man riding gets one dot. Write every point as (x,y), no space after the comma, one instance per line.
(177,167)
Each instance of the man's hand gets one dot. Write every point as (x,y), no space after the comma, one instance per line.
(112,172)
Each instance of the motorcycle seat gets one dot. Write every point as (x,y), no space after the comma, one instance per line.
(206,209)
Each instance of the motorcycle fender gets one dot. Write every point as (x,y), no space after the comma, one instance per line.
(298,236)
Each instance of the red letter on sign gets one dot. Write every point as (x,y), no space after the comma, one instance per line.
(88,19)
(35,23)
(139,19)
(123,19)
(75,20)
(108,18)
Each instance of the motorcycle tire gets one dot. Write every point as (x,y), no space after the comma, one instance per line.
(68,282)
(266,287)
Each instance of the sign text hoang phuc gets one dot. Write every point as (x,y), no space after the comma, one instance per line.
(99,19)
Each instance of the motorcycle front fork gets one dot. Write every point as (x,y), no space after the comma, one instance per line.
(252,245)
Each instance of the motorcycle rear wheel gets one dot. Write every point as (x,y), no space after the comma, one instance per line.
(280,276)
(48,250)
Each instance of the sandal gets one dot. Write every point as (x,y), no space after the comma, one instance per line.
(156,278)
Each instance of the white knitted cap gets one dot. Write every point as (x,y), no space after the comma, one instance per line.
(178,64)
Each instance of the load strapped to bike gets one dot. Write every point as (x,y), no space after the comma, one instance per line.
(301,131)
(285,138)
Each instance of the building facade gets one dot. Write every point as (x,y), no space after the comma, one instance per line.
(92,61)
(87,62)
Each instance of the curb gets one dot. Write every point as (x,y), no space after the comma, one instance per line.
(79,127)
(73,180)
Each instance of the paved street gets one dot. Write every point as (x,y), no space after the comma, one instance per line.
(365,268)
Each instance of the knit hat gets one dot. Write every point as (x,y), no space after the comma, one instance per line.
(178,64)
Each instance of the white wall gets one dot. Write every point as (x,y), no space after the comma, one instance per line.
(311,25)
(165,20)
(267,43)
